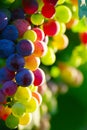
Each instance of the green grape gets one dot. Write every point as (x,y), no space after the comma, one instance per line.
(62,28)
(23,94)
(63,14)
(61,1)
(18,109)
(32,105)
(54,71)
(12,122)
(49,58)
(30,35)
(8,1)
(37,19)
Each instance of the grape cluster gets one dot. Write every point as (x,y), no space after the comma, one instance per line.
(31,31)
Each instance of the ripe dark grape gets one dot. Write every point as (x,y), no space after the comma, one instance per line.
(30,6)
(6,74)
(10,33)
(48,10)
(3,20)
(7,48)
(15,62)
(9,88)
(2,97)
(24,77)
(25,47)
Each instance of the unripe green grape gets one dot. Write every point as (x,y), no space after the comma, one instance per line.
(12,122)
(62,28)
(63,14)
(37,19)
(8,1)
(18,109)
(54,71)
(61,1)
(23,94)
(49,58)
(32,105)
(30,35)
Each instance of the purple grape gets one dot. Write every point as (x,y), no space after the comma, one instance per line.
(7,48)
(18,14)
(10,33)
(15,62)
(3,20)
(6,74)
(24,77)
(9,88)
(25,47)
(2,97)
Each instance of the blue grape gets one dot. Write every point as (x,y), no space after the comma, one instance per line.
(25,47)
(7,47)
(3,20)
(6,74)
(9,88)
(10,33)
(24,77)
(15,62)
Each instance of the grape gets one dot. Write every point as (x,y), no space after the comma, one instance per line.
(61,1)
(32,62)
(8,1)
(5,112)
(24,26)
(6,74)
(51,27)
(10,33)
(49,58)
(62,28)
(4,50)
(40,34)
(38,97)
(63,14)
(15,62)
(54,71)
(17,13)
(29,6)
(54,2)
(60,42)
(39,77)
(18,109)
(22,94)
(7,12)
(30,35)
(32,105)
(37,19)
(48,10)
(9,88)
(40,49)
(12,122)
(83,37)
(24,77)
(3,20)
(25,119)
(25,47)
(2,97)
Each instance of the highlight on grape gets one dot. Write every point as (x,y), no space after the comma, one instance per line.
(32,33)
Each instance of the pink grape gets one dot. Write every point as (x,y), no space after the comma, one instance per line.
(39,77)
(40,34)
